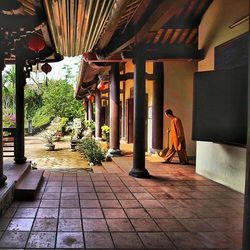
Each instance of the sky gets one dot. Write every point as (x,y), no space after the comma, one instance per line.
(57,70)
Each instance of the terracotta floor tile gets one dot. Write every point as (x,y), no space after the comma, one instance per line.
(9,213)
(54,184)
(98,240)
(151,204)
(170,225)
(182,212)
(106,196)
(143,196)
(70,213)
(70,240)
(49,203)
(11,239)
(185,240)
(124,196)
(86,189)
(196,225)
(215,240)
(44,213)
(136,213)
(90,204)
(137,189)
(91,213)
(45,225)
(119,225)
(69,225)
(41,240)
(127,240)
(69,189)
(159,213)
(69,184)
(69,196)
(69,204)
(145,225)
(110,204)
(100,184)
(130,204)
(114,213)
(25,213)
(225,224)
(51,196)
(155,240)
(20,225)
(120,189)
(94,225)
(85,184)
(88,196)
(53,189)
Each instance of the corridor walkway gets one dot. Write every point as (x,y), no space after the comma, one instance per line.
(175,209)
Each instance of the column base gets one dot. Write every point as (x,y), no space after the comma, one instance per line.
(155,150)
(139,173)
(114,152)
(98,138)
(3,180)
(20,160)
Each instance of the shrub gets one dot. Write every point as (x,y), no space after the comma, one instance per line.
(91,150)
(9,121)
(105,132)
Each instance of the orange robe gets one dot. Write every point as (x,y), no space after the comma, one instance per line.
(176,142)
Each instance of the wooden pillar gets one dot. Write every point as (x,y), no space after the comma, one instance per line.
(20,83)
(90,110)
(114,103)
(139,169)
(98,107)
(157,107)
(246,218)
(3,178)
(86,104)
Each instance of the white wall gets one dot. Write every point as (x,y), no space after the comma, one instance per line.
(178,96)
(222,163)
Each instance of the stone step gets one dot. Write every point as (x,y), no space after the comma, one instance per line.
(26,188)
(112,167)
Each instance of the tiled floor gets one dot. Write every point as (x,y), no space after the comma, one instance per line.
(175,209)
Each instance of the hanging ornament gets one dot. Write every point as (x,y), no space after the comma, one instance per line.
(46,68)
(36,44)
(90,98)
(101,86)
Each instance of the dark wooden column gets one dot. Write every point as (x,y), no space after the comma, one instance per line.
(157,107)
(20,83)
(86,109)
(246,218)
(3,178)
(90,110)
(139,169)
(114,103)
(98,107)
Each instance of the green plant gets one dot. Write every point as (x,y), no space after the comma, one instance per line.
(49,136)
(89,124)
(91,150)
(105,132)
(9,121)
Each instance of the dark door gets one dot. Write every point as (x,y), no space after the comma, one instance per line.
(130,120)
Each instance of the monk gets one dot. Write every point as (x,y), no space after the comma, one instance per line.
(176,139)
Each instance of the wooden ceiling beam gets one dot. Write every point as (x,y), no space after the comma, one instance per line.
(157,13)
(174,51)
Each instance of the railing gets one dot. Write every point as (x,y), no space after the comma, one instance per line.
(9,138)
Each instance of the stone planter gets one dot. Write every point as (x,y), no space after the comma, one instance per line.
(49,147)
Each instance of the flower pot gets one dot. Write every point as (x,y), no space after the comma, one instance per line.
(49,147)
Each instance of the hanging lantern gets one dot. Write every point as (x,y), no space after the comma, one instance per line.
(90,98)
(36,44)
(101,86)
(46,68)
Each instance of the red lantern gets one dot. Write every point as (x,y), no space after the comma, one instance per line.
(46,68)
(101,86)
(36,44)
(90,98)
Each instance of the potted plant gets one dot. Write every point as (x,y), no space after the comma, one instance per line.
(49,137)
(105,132)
